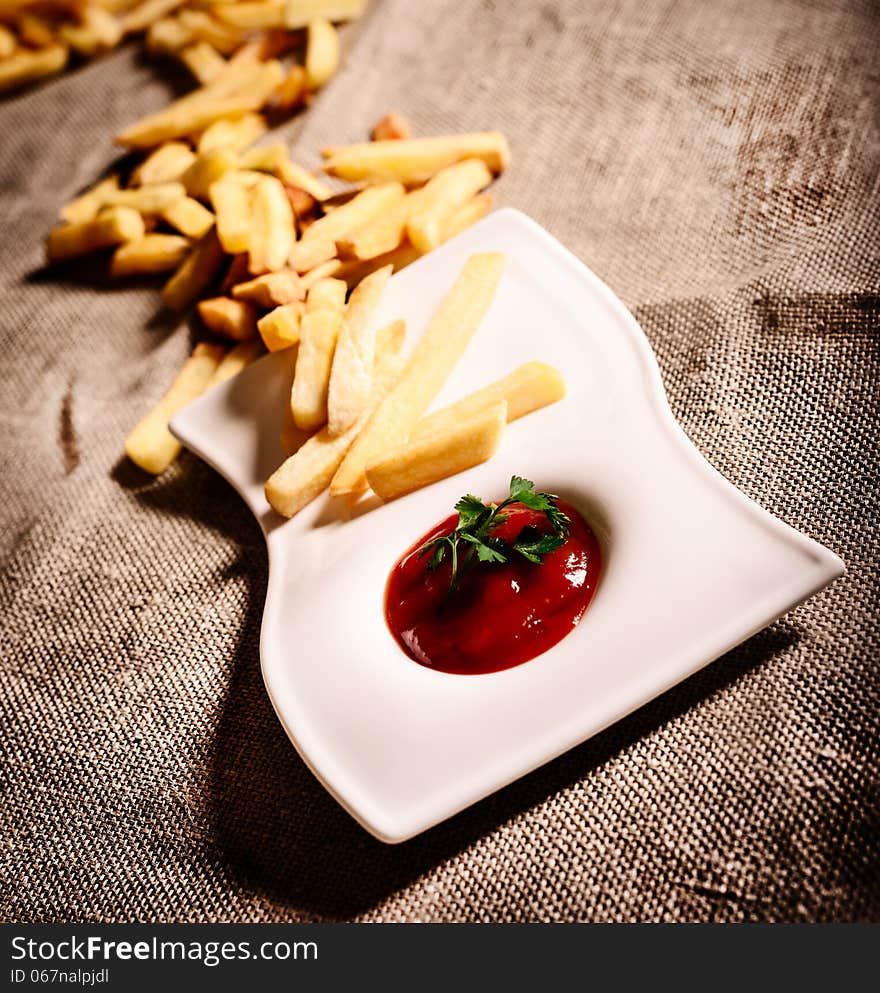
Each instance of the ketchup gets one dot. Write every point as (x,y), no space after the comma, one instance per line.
(501,614)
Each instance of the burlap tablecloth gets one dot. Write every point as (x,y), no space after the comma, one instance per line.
(717,164)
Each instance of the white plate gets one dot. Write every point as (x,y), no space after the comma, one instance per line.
(692,566)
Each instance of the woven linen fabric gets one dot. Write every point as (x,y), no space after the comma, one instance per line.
(715,163)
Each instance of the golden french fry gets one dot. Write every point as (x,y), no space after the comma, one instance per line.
(530,387)
(189,217)
(224,37)
(415,160)
(166,165)
(438,200)
(280,328)
(319,331)
(146,199)
(467,214)
(195,274)
(432,457)
(202,60)
(298,13)
(8,42)
(139,18)
(234,319)
(207,169)
(34,30)
(167,36)
(294,175)
(436,353)
(322,52)
(152,253)
(234,135)
(273,289)
(273,229)
(323,271)
(392,127)
(293,88)
(377,237)
(250,14)
(232,207)
(353,360)
(24,67)
(151,445)
(307,473)
(112,226)
(97,31)
(86,206)
(354,271)
(236,359)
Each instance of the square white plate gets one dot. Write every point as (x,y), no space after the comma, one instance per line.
(692,566)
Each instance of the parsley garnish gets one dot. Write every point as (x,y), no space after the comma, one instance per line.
(472,540)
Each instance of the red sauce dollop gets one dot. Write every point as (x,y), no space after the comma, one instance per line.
(502,614)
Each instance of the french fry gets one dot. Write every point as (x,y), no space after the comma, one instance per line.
(377,237)
(166,165)
(436,353)
(441,196)
(304,205)
(34,30)
(294,175)
(208,168)
(350,378)
(234,319)
(318,244)
(233,135)
(224,37)
(309,470)
(467,214)
(98,31)
(432,457)
(273,289)
(151,445)
(280,328)
(152,253)
(202,60)
(354,271)
(319,331)
(235,360)
(293,88)
(112,226)
(139,18)
(232,207)
(195,273)
(392,127)
(167,36)
(24,67)
(273,230)
(529,387)
(189,217)
(298,13)
(415,160)
(322,52)
(86,206)
(146,199)
(8,42)
(323,271)
(249,14)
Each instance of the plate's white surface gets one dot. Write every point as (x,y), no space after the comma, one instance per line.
(692,566)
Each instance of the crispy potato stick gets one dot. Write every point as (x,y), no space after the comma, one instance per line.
(415,160)
(235,319)
(298,13)
(435,355)
(166,165)
(304,205)
(318,244)
(440,197)
(279,329)
(146,199)
(113,226)
(400,257)
(195,274)
(235,360)
(264,158)
(352,372)
(24,67)
(232,206)
(322,52)
(377,237)
(273,229)
(271,290)
(33,30)
(467,214)
(98,31)
(436,456)
(8,44)
(152,253)
(530,387)
(392,127)
(202,60)
(307,473)
(323,271)
(234,135)
(142,16)
(167,36)
(293,89)
(208,168)
(319,331)
(294,175)
(151,445)
(189,217)
(251,13)
(87,205)
(224,37)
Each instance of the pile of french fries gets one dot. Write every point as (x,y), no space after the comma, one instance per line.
(39,37)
